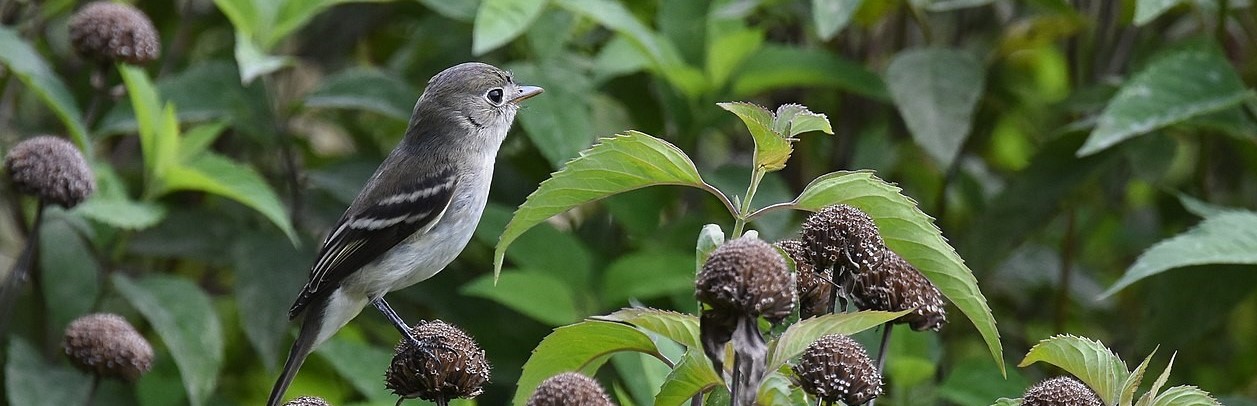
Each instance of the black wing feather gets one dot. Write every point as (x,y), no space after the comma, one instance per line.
(362,236)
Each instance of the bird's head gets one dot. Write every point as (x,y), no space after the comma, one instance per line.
(474,96)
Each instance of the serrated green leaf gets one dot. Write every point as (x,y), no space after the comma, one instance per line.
(1226,238)
(1131,384)
(912,234)
(619,164)
(800,335)
(776,67)
(213,173)
(365,89)
(831,16)
(182,315)
(29,67)
(1088,360)
(679,327)
(794,119)
(1151,394)
(777,390)
(691,376)
(1173,88)
(771,148)
(936,92)
(360,364)
(31,381)
(578,346)
(1185,395)
(518,291)
(500,21)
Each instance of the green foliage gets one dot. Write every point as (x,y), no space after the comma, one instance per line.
(936,91)
(1223,238)
(181,314)
(22,60)
(1105,373)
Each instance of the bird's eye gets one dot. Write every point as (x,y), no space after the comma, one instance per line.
(494,95)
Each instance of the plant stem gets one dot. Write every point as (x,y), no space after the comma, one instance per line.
(881,353)
(744,212)
(17,276)
(91,391)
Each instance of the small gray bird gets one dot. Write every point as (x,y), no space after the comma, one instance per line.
(416,213)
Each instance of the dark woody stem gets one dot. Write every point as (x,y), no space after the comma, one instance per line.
(881,354)
(749,356)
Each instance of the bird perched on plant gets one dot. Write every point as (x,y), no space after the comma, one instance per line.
(416,213)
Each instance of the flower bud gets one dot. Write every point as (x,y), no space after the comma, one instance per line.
(51,169)
(107,345)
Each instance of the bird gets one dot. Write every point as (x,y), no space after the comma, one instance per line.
(416,213)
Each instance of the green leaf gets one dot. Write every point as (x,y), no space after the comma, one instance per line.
(1007,402)
(912,234)
(771,148)
(31,381)
(1184,395)
(1175,87)
(360,364)
(29,67)
(71,273)
(518,291)
(560,122)
(794,119)
(936,91)
(182,315)
(800,335)
(456,10)
(365,89)
(1148,10)
(1131,384)
(212,173)
(776,67)
(500,21)
(679,327)
(1226,238)
(265,263)
(691,376)
(647,275)
(710,237)
(254,62)
(619,164)
(122,213)
(728,51)
(1151,394)
(294,14)
(1089,360)
(577,347)
(159,131)
(831,16)
(662,55)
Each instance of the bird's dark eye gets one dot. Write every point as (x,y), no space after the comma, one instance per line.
(494,95)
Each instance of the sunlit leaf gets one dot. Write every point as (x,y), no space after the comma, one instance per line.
(1088,360)
(182,315)
(710,237)
(912,234)
(936,92)
(518,291)
(216,174)
(800,335)
(619,164)
(1226,238)
(254,62)
(29,67)
(29,380)
(1185,396)
(500,21)
(1173,88)
(1152,392)
(158,128)
(773,132)
(679,327)
(1131,384)
(692,375)
(576,347)
(831,16)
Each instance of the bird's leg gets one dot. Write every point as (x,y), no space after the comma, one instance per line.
(392,316)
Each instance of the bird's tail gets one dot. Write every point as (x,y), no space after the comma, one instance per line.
(301,349)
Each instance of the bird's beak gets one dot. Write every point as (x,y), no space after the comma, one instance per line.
(526,92)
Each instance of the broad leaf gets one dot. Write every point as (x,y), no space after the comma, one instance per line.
(693,375)
(913,235)
(775,67)
(122,213)
(831,16)
(936,91)
(728,51)
(559,122)
(1148,10)
(158,128)
(647,275)
(1090,361)
(662,56)
(679,327)
(619,164)
(457,10)
(29,67)
(263,264)
(215,174)
(800,335)
(773,132)
(365,89)
(70,272)
(1185,396)
(358,363)
(518,291)
(1182,85)
(500,21)
(182,315)
(31,381)
(255,63)
(579,346)
(205,91)
(1226,238)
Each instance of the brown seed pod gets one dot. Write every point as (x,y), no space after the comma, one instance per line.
(449,366)
(747,276)
(837,368)
(1060,391)
(51,169)
(842,236)
(569,389)
(814,286)
(307,401)
(107,345)
(114,32)
(897,285)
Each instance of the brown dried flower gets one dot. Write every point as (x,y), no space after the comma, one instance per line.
(107,345)
(108,31)
(1060,391)
(569,389)
(51,169)
(837,368)
(450,365)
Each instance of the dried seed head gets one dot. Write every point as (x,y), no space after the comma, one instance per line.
(569,389)
(307,401)
(114,32)
(897,285)
(836,368)
(843,236)
(450,365)
(107,345)
(51,169)
(1060,391)
(814,286)
(747,276)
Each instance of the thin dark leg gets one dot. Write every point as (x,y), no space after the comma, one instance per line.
(392,316)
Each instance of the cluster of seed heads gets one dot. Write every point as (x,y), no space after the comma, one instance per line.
(842,237)
(114,32)
(747,276)
(449,365)
(896,286)
(837,368)
(51,169)
(107,345)
(307,401)
(1060,391)
(815,286)
(569,389)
